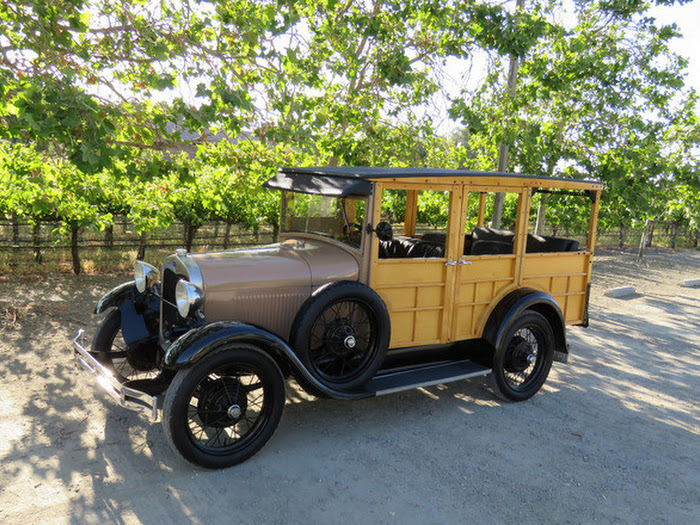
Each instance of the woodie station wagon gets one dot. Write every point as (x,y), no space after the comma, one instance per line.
(383,279)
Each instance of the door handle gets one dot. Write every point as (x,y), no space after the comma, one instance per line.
(451,263)
(463,261)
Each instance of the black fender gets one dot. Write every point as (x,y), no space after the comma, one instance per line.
(198,342)
(140,312)
(514,304)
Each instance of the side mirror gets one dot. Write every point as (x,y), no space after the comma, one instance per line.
(384,231)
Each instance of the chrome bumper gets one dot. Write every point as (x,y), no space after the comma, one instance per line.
(126,397)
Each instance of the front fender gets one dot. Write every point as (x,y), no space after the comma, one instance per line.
(116,296)
(140,312)
(198,342)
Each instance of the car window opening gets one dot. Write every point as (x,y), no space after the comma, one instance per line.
(334,217)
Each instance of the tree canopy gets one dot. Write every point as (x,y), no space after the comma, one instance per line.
(110,94)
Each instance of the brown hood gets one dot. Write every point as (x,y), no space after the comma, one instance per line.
(266,286)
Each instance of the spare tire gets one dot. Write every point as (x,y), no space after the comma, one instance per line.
(341,334)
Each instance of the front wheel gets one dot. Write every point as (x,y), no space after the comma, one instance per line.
(524,357)
(127,363)
(225,407)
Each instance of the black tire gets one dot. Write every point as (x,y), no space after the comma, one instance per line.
(225,407)
(341,334)
(109,348)
(522,362)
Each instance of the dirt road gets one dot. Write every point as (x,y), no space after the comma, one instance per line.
(614,436)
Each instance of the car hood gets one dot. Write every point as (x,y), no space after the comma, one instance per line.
(267,285)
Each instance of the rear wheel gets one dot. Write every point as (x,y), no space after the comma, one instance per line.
(225,407)
(522,361)
(127,363)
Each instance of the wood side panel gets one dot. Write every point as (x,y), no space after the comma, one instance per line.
(564,276)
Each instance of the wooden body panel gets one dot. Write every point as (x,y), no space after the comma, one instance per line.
(480,284)
(441,300)
(564,276)
(414,293)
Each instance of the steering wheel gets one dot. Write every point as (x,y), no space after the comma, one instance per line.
(353,231)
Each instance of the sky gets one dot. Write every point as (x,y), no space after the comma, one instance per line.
(687,18)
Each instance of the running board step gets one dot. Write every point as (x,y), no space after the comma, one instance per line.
(435,374)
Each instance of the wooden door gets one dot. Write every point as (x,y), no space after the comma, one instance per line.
(418,291)
(481,280)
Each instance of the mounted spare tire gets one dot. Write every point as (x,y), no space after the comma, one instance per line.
(341,334)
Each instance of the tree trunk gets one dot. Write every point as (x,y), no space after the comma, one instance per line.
(190,230)
(650,233)
(74,252)
(109,236)
(504,148)
(36,238)
(673,233)
(275,231)
(15,229)
(141,255)
(227,234)
(541,210)
(623,234)
(643,241)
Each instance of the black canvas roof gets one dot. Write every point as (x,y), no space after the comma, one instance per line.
(341,181)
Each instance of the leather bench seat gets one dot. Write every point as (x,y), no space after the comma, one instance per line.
(482,241)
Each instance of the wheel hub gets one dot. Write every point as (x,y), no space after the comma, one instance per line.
(142,356)
(222,402)
(341,338)
(520,356)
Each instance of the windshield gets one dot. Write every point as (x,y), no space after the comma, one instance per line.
(338,218)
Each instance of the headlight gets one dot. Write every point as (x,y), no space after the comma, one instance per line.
(188,297)
(145,275)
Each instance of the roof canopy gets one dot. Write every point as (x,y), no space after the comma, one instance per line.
(342,181)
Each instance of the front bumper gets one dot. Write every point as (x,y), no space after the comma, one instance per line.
(125,396)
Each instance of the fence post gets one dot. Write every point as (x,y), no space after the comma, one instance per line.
(75,254)
(36,237)
(15,229)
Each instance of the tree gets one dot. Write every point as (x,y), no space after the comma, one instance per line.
(577,108)
(48,189)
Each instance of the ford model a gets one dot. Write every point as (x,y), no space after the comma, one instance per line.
(383,279)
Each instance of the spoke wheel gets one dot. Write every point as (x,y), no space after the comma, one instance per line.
(342,335)
(110,349)
(223,409)
(522,362)
(342,341)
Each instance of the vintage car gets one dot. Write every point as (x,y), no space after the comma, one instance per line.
(383,279)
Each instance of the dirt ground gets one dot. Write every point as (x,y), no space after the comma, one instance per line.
(613,437)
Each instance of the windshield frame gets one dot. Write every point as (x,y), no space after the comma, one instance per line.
(343,226)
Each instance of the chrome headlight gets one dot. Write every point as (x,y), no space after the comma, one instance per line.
(146,276)
(188,297)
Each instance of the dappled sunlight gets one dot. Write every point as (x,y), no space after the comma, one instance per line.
(621,418)
(644,354)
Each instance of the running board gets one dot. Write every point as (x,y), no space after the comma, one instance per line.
(428,375)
